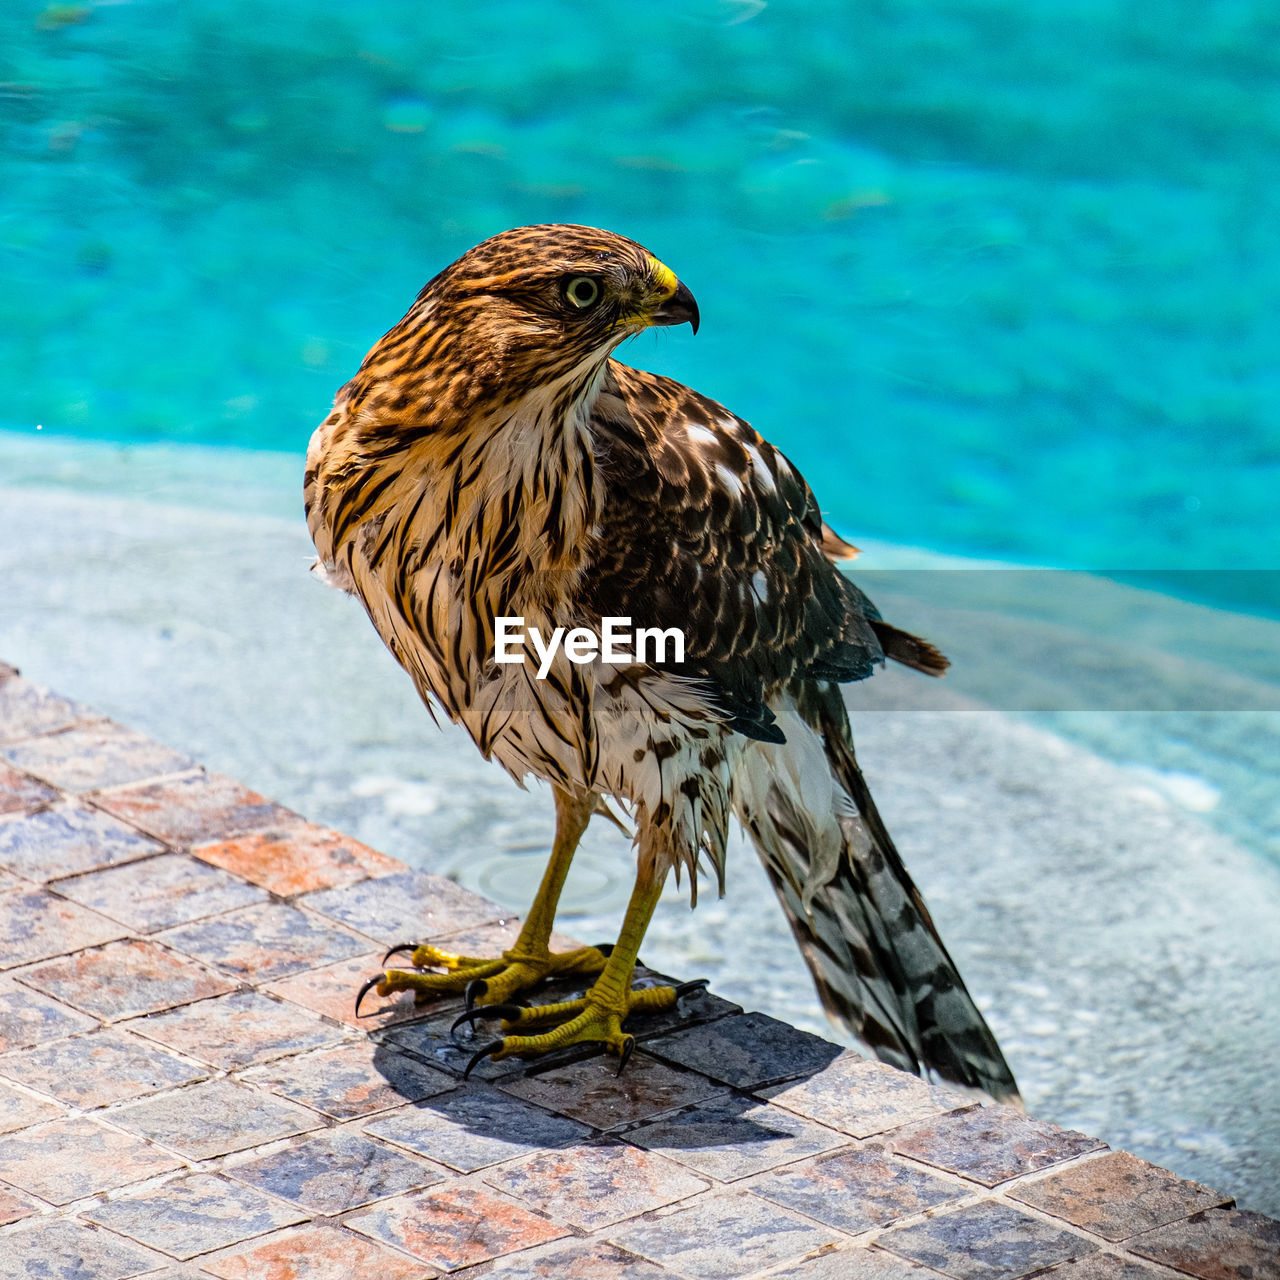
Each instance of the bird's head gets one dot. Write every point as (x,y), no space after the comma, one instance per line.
(554,298)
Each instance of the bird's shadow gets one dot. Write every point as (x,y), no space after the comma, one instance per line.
(569,1096)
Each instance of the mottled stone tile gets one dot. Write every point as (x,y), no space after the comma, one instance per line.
(1103,1266)
(35,925)
(20,1110)
(19,792)
(595,1185)
(1117,1196)
(474,1127)
(69,838)
(58,1249)
(237,1030)
(13,1207)
(455,1225)
(723,1238)
(747,1051)
(193,1215)
(992,1144)
(731,1137)
(593,1092)
(94,1070)
(352,1080)
(215,1118)
(196,809)
(577,1260)
(125,979)
(856,1189)
(266,941)
(100,754)
(430,1039)
(1216,1244)
(411,906)
(986,1241)
(27,1018)
(300,857)
(333,1171)
(28,709)
(855,1263)
(860,1097)
(315,1253)
(158,893)
(331,990)
(76,1157)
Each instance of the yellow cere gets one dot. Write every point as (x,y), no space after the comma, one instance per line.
(664,277)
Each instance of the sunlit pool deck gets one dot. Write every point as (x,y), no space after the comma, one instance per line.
(186,1093)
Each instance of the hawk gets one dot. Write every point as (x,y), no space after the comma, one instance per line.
(490,459)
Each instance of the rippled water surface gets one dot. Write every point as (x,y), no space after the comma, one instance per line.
(1002,273)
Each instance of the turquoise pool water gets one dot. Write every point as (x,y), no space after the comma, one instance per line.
(999,276)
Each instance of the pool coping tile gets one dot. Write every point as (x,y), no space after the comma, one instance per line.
(215,1118)
(298,857)
(68,838)
(353,1080)
(1116,1195)
(36,924)
(28,710)
(185,1089)
(156,893)
(457,1224)
(237,1030)
(194,809)
(124,979)
(93,755)
(193,1214)
(313,1251)
(264,941)
(98,1068)
(595,1184)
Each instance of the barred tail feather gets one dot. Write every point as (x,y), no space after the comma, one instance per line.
(877,961)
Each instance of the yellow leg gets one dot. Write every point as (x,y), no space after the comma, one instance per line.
(598,1016)
(525,963)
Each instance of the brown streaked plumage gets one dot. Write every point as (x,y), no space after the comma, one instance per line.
(491,459)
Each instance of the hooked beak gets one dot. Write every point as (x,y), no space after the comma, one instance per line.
(679,308)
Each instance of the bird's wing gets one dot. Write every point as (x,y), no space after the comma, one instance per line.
(708,528)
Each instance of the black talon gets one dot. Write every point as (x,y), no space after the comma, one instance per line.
(485,1011)
(628,1048)
(364,991)
(409,947)
(490,1048)
(475,989)
(605,948)
(687,988)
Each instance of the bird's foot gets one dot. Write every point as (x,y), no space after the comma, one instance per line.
(595,1018)
(493,980)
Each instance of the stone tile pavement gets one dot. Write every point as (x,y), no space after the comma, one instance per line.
(185,1092)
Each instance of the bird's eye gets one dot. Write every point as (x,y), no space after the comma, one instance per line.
(582,292)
